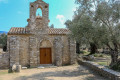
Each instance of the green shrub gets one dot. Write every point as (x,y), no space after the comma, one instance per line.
(98,55)
(102,63)
(116,66)
(82,52)
(101,55)
(95,55)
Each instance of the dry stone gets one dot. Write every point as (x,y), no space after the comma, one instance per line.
(72,50)
(4,60)
(16,68)
(58,47)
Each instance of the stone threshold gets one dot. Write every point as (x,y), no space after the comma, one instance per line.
(101,70)
(42,66)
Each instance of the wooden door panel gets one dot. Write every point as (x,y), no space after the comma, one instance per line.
(45,56)
(48,56)
(42,56)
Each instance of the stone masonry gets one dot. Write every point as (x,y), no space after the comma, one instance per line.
(4,60)
(25,44)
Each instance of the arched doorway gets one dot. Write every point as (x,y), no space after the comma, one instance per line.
(45,52)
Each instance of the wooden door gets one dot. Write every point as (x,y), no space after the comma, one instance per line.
(45,56)
(42,56)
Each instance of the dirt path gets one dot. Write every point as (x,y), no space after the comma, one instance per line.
(74,72)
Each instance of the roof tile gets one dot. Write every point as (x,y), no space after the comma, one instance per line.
(51,31)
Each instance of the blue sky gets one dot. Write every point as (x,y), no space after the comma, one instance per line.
(14,13)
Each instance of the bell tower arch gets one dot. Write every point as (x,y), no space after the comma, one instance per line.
(39,4)
(36,21)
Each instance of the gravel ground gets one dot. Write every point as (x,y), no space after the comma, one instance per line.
(73,72)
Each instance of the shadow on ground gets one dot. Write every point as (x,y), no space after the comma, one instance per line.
(84,74)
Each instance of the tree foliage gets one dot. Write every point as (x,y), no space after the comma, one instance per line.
(3,39)
(52,26)
(97,24)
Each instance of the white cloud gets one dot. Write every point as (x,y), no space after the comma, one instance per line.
(61,18)
(4,1)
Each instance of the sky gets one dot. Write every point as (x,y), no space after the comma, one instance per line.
(14,13)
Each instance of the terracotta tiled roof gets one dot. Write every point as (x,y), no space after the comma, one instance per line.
(58,31)
(18,30)
(51,31)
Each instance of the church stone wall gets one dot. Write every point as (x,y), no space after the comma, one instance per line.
(33,52)
(61,49)
(61,53)
(4,60)
(72,48)
(14,50)
(58,50)
(18,49)
(66,52)
(24,51)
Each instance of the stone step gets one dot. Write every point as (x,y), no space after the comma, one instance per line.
(46,66)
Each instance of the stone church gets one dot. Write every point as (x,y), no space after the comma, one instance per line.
(38,44)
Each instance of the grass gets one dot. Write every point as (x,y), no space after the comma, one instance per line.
(3,72)
(103,63)
(98,55)
(84,52)
(100,58)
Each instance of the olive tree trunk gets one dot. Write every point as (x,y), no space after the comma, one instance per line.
(114,54)
(93,48)
(114,57)
(77,48)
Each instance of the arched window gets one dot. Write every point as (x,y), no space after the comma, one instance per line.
(39,12)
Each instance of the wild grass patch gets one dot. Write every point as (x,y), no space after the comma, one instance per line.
(3,72)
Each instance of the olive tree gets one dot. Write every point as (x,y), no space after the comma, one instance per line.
(108,13)
(97,23)
(83,31)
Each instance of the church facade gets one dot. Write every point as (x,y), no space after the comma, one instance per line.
(38,44)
